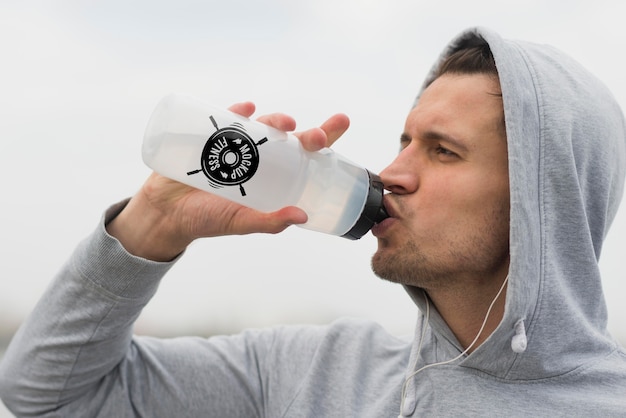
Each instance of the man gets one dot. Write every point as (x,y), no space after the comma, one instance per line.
(511,170)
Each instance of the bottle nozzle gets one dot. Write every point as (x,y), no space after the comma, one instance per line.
(373,211)
(381,215)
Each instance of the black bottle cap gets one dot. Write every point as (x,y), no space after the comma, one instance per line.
(373,211)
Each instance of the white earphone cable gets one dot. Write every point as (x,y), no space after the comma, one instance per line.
(469,347)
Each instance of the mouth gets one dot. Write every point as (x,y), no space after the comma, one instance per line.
(379,229)
(387,205)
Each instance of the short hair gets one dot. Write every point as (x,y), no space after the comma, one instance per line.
(475,59)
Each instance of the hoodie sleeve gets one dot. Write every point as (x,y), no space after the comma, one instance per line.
(76,355)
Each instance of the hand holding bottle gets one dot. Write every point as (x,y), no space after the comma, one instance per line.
(261,167)
(165,216)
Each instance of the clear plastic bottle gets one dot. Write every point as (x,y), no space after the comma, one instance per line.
(261,167)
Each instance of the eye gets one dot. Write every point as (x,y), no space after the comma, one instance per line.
(445,152)
(405,140)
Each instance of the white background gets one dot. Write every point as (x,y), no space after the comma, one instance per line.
(79,79)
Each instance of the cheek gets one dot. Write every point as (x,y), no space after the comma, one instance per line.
(487,202)
(467,196)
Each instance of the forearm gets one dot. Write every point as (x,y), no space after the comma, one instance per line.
(80,329)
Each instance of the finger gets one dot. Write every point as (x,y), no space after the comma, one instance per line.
(279,121)
(245,109)
(326,135)
(313,139)
(334,127)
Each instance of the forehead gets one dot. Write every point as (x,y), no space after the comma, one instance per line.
(459,105)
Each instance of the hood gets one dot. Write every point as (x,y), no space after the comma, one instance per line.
(567,155)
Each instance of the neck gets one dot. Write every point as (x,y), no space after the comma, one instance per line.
(467,309)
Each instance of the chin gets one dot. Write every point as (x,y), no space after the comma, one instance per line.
(398,262)
(384,266)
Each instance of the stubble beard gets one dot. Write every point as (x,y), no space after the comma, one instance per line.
(479,255)
(407,266)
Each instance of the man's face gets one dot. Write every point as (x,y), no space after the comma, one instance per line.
(449,200)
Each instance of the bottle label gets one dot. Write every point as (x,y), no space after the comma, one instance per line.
(230,156)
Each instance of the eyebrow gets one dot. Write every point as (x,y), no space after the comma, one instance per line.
(436,136)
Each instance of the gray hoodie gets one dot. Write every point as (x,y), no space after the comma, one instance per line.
(551,355)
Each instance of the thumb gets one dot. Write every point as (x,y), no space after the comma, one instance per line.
(275,222)
(281,219)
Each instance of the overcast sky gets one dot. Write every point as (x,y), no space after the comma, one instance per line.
(78,81)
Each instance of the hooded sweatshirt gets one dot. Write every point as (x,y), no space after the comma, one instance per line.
(551,355)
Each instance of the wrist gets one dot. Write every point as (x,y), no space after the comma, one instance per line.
(146,232)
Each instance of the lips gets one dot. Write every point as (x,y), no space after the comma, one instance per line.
(379,229)
(388,206)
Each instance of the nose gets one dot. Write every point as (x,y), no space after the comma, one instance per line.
(401,176)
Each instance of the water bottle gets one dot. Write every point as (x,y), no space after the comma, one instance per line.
(261,167)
